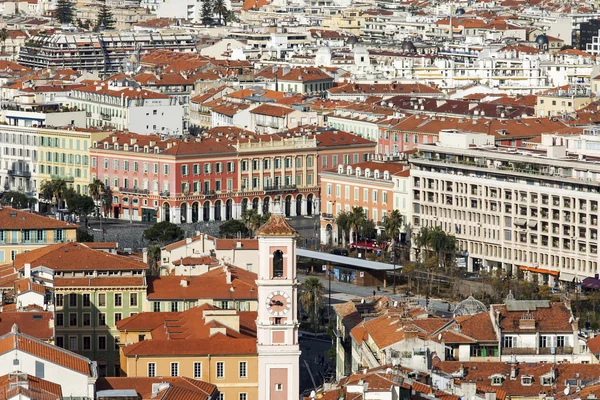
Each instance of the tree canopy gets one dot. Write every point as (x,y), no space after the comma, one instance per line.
(64,11)
(163,233)
(105,18)
(17,200)
(234,229)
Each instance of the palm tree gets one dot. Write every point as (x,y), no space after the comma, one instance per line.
(422,240)
(153,259)
(392,224)
(312,293)
(254,220)
(97,189)
(54,191)
(220,8)
(3,36)
(343,223)
(356,220)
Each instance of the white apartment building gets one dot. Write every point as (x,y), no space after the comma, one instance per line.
(18,163)
(126,108)
(534,210)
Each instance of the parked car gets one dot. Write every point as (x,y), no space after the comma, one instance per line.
(339,252)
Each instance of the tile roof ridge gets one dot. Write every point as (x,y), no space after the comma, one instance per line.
(41,342)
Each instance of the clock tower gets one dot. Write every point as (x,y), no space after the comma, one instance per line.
(277,322)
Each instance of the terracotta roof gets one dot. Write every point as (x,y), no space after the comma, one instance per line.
(110,281)
(594,344)
(35,347)
(384,89)
(227,244)
(26,285)
(179,388)
(276,225)
(555,318)
(272,110)
(118,92)
(202,260)
(30,387)
(101,245)
(189,332)
(210,285)
(11,218)
(297,74)
(36,323)
(74,256)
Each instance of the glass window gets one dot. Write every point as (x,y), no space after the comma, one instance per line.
(151,370)
(198,370)
(101,299)
(86,300)
(243,369)
(101,342)
(174,369)
(118,300)
(133,299)
(220,370)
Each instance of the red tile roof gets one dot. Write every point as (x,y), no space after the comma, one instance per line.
(272,110)
(35,347)
(76,257)
(211,285)
(36,323)
(276,225)
(30,387)
(110,281)
(297,74)
(178,388)
(384,89)
(11,218)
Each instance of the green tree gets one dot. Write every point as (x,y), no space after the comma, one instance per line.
(312,293)
(80,205)
(422,242)
(17,200)
(105,18)
(254,220)
(343,224)
(101,195)
(3,36)
(163,233)
(220,8)
(54,191)
(64,11)
(356,219)
(392,224)
(207,12)
(84,236)
(153,259)
(444,246)
(234,228)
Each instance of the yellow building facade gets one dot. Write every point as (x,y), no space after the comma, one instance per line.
(22,231)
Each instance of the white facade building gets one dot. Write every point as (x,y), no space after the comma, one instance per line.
(534,210)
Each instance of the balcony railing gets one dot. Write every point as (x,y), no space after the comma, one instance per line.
(280,188)
(19,172)
(66,178)
(519,351)
(105,117)
(133,190)
(327,216)
(557,350)
(209,193)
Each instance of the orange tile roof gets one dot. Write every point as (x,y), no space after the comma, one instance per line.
(272,110)
(26,285)
(11,218)
(210,285)
(276,225)
(297,74)
(109,281)
(30,387)
(227,244)
(37,348)
(127,92)
(387,89)
(76,257)
(556,318)
(179,388)
(33,323)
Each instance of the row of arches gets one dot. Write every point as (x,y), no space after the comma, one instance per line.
(220,210)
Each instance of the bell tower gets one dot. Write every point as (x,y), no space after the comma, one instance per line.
(277,322)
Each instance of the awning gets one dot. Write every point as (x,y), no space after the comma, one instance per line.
(520,221)
(532,224)
(591,283)
(539,270)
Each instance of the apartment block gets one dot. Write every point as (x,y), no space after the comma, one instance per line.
(534,210)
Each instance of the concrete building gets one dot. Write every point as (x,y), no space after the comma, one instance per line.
(127,108)
(527,202)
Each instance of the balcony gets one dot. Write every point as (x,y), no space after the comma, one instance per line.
(327,216)
(209,193)
(134,190)
(66,178)
(88,114)
(557,350)
(165,193)
(280,188)
(519,351)
(19,172)
(105,117)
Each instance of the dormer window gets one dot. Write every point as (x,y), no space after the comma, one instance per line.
(547,380)
(358,171)
(526,380)
(349,170)
(136,148)
(376,174)
(106,145)
(367,173)
(497,379)
(340,169)
(116,146)
(156,150)
(126,147)
(386,175)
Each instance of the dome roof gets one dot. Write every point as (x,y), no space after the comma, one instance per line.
(542,39)
(324,50)
(469,306)
(407,45)
(460,11)
(352,40)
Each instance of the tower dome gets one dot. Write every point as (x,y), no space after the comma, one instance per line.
(542,40)
(460,11)
(469,306)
